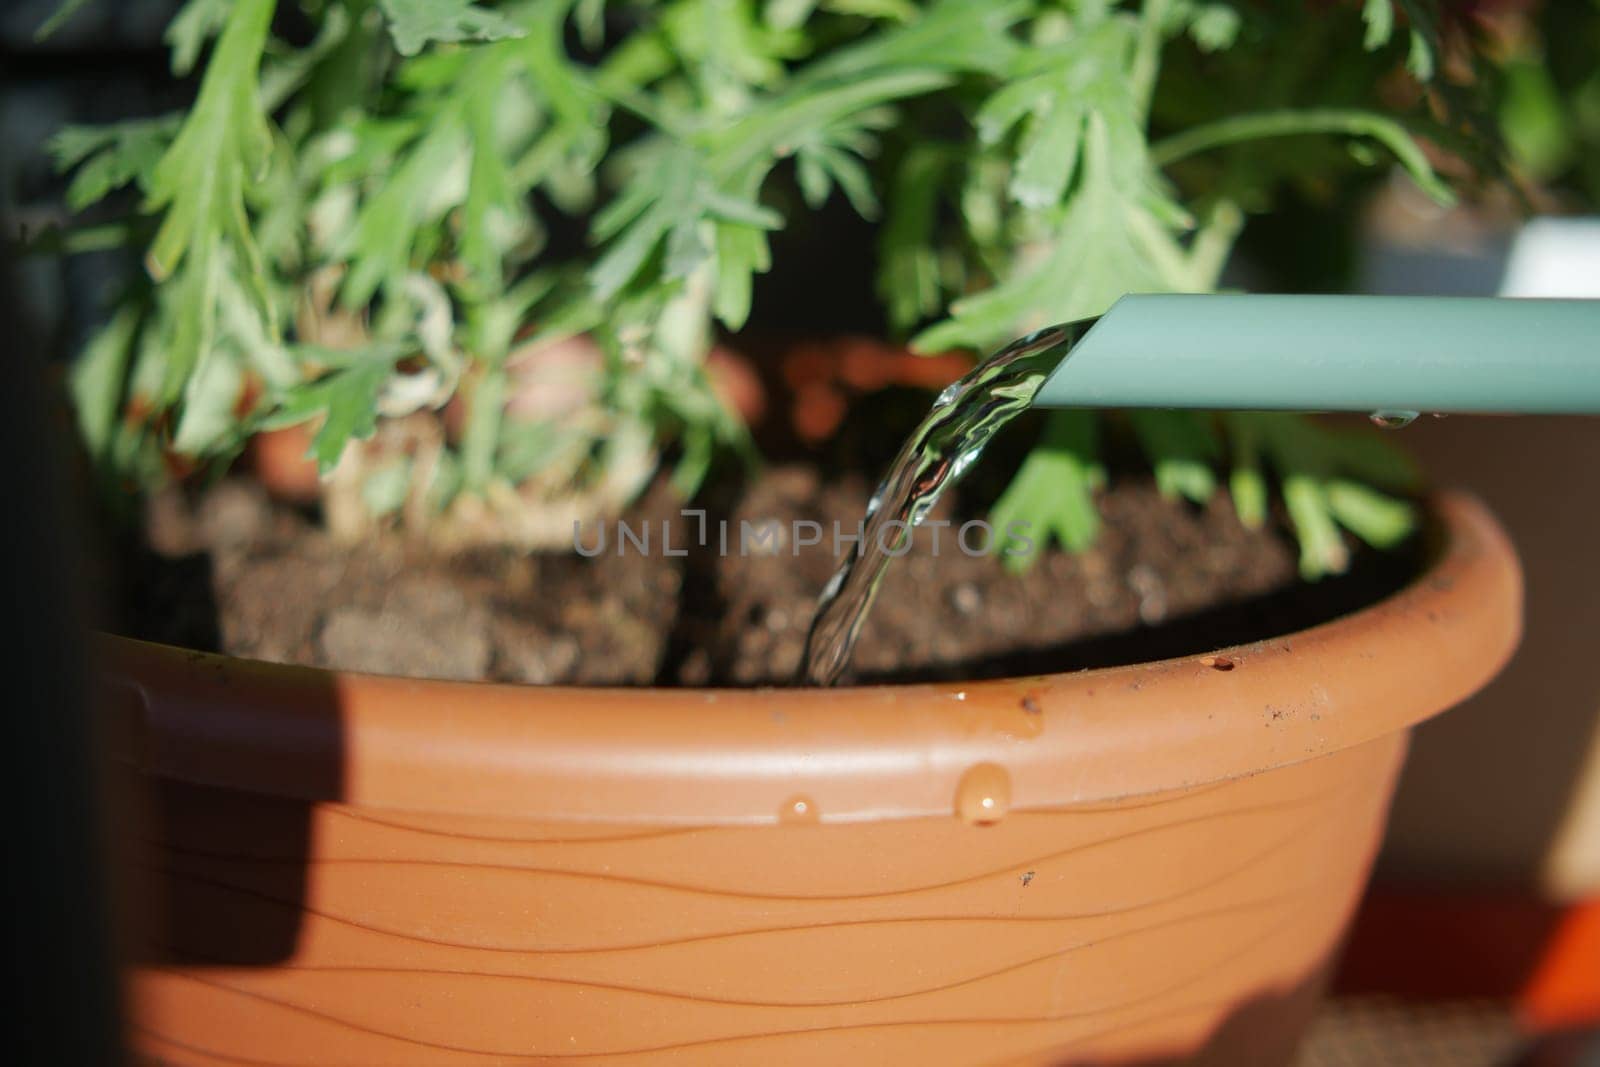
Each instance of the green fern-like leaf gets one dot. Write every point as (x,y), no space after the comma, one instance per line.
(416,23)
(1052,495)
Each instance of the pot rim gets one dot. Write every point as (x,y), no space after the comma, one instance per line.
(732,756)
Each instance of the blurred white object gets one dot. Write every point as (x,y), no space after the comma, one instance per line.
(1555,258)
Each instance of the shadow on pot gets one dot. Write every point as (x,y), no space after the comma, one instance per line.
(1265,1031)
(217,875)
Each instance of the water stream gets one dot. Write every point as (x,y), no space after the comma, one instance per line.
(964,419)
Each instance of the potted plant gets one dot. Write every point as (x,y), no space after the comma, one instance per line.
(473,260)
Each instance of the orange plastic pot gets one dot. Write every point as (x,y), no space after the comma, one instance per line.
(1133,865)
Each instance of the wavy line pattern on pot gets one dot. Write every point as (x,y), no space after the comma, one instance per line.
(1201,906)
(606,927)
(595,869)
(766,1022)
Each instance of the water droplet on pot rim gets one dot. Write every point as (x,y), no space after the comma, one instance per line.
(983,796)
(799,809)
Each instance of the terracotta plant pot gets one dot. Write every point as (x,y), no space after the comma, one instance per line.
(1132,865)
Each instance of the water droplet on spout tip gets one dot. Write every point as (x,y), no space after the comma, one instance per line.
(1393,420)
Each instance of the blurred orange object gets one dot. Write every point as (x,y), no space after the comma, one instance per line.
(1564,990)
(825,376)
(1541,957)
(282,462)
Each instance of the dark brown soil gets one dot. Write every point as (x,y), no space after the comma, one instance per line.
(227,570)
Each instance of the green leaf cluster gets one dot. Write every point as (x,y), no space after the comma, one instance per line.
(379,221)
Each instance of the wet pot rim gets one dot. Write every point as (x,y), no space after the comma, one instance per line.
(727,756)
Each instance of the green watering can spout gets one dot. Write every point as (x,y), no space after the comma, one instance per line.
(1336,353)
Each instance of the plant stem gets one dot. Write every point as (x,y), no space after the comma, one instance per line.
(1147,53)
(344,82)
(56,241)
(1296,123)
(491,327)
(481,437)
(1209,253)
